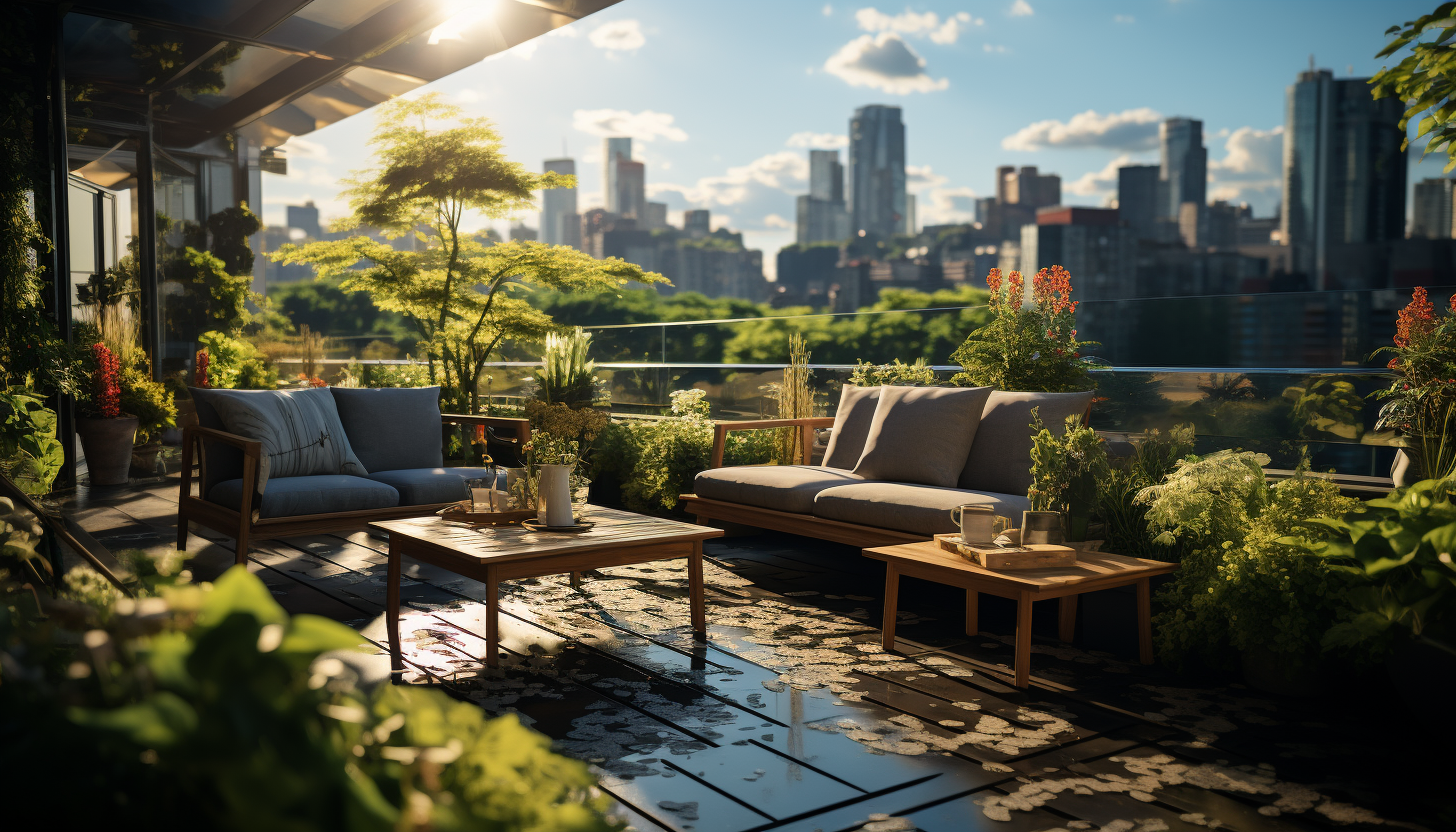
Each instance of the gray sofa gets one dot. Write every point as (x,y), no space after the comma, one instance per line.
(280,463)
(895,465)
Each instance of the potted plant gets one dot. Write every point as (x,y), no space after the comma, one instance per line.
(1420,403)
(1065,472)
(1031,342)
(106,432)
(552,459)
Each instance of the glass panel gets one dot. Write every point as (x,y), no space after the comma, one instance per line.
(108,231)
(220,188)
(82,229)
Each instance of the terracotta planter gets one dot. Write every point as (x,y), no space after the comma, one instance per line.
(107,445)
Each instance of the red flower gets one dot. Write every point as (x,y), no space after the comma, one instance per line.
(480,434)
(199,373)
(1417,319)
(107,382)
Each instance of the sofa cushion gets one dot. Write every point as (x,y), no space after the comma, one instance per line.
(299,430)
(392,428)
(424,486)
(295,496)
(922,434)
(782,487)
(1000,458)
(918,509)
(851,426)
(221,461)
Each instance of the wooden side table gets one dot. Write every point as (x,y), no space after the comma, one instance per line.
(1093,571)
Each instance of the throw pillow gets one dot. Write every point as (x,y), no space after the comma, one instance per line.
(392,428)
(299,430)
(1000,458)
(851,426)
(922,434)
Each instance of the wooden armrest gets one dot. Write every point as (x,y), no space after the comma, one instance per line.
(249,447)
(522,427)
(805,426)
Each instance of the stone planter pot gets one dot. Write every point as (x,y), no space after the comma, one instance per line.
(1281,673)
(144,459)
(107,445)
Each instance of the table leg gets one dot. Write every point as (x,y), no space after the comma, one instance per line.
(391,612)
(1067,618)
(576,580)
(1145,620)
(892,603)
(696,602)
(973,612)
(492,619)
(1023,640)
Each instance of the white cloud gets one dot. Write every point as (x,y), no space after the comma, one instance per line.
(1123,18)
(644,126)
(994,49)
(1251,169)
(1021,8)
(883,62)
(525,49)
(926,24)
(760,187)
(818,141)
(567,31)
(776,221)
(467,96)
(1128,130)
(1102,182)
(618,36)
(940,206)
(920,177)
(299,148)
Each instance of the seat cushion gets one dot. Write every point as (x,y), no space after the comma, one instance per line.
(322,494)
(392,428)
(918,509)
(851,426)
(782,487)
(1000,458)
(424,486)
(299,430)
(922,434)
(223,461)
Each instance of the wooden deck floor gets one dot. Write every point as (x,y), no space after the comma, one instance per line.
(792,718)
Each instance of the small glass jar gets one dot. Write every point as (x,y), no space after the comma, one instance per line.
(483,495)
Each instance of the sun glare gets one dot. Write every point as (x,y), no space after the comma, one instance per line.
(468,14)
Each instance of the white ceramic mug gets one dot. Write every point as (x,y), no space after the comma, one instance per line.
(978,524)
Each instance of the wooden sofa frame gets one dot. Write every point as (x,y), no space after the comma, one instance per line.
(244,525)
(835,531)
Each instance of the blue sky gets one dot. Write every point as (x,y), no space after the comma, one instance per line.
(725,99)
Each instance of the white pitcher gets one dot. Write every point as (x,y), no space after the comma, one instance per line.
(554,495)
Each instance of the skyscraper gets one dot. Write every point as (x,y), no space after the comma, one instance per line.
(1137,199)
(1027,188)
(821,215)
(1344,171)
(613,151)
(305,218)
(1183,176)
(697,222)
(876,170)
(631,190)
(1433,215)
(560,223)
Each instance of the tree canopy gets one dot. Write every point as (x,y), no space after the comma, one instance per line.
(1424,79)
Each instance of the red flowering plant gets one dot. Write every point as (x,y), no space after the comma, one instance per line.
(200,377)
(1030,344)
(1420,403)
(104,399)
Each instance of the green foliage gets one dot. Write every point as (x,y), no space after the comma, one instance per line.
(1125,524)
(1066,466)
(794,400)
(237,364)
(230,229)
(211,707)
(1423,80)
(1327,408)
(327,309)
(150,401)
(203,295)
(30,454)
(1420,403)
(462,297)
(567,376)
(918,374)
(1027,346)
(1397,550)
(1207,501)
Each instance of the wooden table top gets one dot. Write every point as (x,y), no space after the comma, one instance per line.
(500,544)
(1091,567)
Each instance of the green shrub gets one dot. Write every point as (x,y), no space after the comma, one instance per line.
(918,374)
(30,454)
(210,707)
(1125,524)
(150,401)
(236,364)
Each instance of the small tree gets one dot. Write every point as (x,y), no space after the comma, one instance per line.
(463,298)
(1424,79)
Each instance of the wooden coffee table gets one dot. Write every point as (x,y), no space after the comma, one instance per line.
(504,553)
(1093,571)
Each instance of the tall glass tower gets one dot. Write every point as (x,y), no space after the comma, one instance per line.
(614,150)
(560,224)
(1344,171)
(1183,175)
(876,171)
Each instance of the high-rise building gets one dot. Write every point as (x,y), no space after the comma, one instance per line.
(1344,173)
(656,217)
(613,150)
(1432,218)
(632,190)
(876,171)
(305,218)
(560,224)
(821,215)
(1137,199)
(1088,242)
(521,231)
(910,225)
(697,222)
(1183,174)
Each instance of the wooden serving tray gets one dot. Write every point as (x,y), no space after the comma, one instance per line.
(1034,556)
(461,513)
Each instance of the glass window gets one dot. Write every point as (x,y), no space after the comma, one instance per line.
(82,229)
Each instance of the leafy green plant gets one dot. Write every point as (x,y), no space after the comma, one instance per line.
(148,400)
(234,363)
(1398,550)
(567,376)
(1420,401)
(211,707)
(1027,346)
(1125,524)
(898,373)
(1423,80)
(30,454)
(1065,470)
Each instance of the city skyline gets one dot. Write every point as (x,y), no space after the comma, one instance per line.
(736,141)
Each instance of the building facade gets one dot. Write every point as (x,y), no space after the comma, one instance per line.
(1137,199)
(1183,172)
(560,222)
(614,150)
(1432,217)
(876,171)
